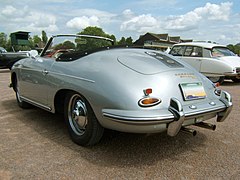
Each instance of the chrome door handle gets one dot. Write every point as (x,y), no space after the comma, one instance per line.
(44,72)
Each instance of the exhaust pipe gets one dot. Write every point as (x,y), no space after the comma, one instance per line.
(189,131)
(206,125)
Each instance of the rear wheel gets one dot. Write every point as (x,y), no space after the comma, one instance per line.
(82,123)
(217,79)
(236,80)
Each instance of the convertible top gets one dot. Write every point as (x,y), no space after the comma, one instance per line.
(71,56)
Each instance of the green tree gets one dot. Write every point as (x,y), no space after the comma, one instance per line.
(68,45)
(113,38)
(234,48)
(65,45)
(36,39)
(122,41)
(129,41)
(32,44)
(95,31)
(58,46)
(90,43)
(44,37)
(125,41)
(9,45)
(3,40)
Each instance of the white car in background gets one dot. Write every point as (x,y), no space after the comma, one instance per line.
(215,61)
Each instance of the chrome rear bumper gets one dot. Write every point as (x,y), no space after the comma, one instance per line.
(171,119)
(177,110)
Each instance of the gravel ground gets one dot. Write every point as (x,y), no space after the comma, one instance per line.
(34,144)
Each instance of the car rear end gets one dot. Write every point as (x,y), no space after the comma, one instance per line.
(175,95)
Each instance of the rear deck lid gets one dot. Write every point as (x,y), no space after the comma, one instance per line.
(149,62)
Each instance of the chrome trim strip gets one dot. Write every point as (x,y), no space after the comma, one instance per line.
(36,103)
(161,119)
(231,74)
(83,35)
(59,74)
(70,76)
(140,120)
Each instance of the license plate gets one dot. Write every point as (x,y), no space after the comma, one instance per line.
(192,91)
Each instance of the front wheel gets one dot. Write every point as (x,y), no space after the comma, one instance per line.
(82,123)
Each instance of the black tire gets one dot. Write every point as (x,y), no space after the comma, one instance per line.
(216,79)
(20,102)
(83,126)
(236,80)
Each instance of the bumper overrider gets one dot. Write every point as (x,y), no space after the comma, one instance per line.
(172,119)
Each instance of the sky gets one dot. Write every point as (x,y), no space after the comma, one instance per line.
(212,20)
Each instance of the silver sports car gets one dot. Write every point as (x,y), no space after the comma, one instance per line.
(97,86)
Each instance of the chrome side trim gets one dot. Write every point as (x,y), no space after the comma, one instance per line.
(59,74)
(74,77)
(36,103)
(231,74)
(139,120)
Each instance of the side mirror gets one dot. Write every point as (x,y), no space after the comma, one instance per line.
(33,53)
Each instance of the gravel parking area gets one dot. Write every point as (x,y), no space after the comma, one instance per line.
(34,144)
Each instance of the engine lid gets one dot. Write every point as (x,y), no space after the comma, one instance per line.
(149,62)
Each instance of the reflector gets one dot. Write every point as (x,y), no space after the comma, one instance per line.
(147,91)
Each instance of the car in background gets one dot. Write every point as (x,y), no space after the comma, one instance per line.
(7,59)
(2,50)
(99,86)
(215,61)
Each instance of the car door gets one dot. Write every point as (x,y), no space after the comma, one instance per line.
(193,56)
(34,79)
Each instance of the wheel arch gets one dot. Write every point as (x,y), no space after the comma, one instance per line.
(59,99)
(13,80)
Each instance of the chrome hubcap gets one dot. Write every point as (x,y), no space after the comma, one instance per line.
(77,113)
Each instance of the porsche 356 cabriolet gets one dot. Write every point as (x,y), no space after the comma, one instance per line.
(127,89)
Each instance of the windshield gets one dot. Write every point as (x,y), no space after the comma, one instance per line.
(221,51)
(74,44)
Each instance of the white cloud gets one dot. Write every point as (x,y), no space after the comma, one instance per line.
(191,19)
(183,22)
(141,23)
(27,19)
(89,17)
(214,11)
(127,13)
(9,10)
(188,21)
(93,12)
(83,22)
